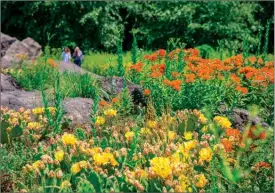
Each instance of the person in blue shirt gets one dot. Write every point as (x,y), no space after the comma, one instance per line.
(77,56)
(66,55)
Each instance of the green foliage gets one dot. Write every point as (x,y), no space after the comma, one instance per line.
(120,59)
(84,186)
(206,51)
(80,134)
(99,25)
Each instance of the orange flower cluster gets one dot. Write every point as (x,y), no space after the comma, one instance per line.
(156,55)
(262,165)
(252,135)
(235,61)
(189,78)
(51,62)
(103,103)
(157,70)
(175,84)
(175,74)
(233,132)
(261,76)
(137,67)
(228,146)
(147,92)
(115,100)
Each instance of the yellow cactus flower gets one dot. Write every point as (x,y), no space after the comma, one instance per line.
(205,154)
(161,166)
(65,184)
(151,124)
(172,135)
(36,164)
(204,129)
(184,184)
(83,164)
(188,135)
(190,145)
(110,112)
(68,139)
(201,181)
(34,126)
(202,119)
(104,159)
(75,168)
(99,121)
(59,155)
(145,131)
(223,122)
(129,135)
(38,111)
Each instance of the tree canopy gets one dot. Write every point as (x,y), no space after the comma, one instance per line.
(98,25)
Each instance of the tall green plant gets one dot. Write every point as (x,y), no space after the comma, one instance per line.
(120,59)
(134,49)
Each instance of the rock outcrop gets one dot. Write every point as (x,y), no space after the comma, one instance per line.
(12,47)
(78,108)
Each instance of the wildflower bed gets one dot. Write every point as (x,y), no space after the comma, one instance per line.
(177,142)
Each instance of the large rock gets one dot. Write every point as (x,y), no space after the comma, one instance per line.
(12,96)
(240,118)
(11,48)
(78,109)
(10,58)
(34,49)
(6,41)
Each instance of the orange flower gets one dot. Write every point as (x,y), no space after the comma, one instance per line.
(115,100)
(252,59)
(228,146)
(147,92)
(189,78)
(232,132)
(269,64)
(137,67)
(51,62)
(235,78)
(252,131)
(243,90)
(260,61)
(161,52)
(175,74)
(262,165)
(103,103)
(156,74)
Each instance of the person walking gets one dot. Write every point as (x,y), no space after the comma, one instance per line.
(78,56)
(66,55)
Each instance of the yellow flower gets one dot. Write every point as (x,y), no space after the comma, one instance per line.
(34,126)
(110,112)
(172,120)
(190,145)
(188,135)
(161,166)
(205,154)
(184,184)
(145,131)
(68,139)
(223,122)
(151,124)
(201,181)
(83,164)
(202,119)
(75,168)
(38,111)
(65,184)
(204,129)
(104,159)
(129,135)
(36,164)
(172,135)
(9,129)
(99,121)
(59,155)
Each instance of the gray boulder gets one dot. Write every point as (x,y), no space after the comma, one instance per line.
(6,41)
(34,49)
